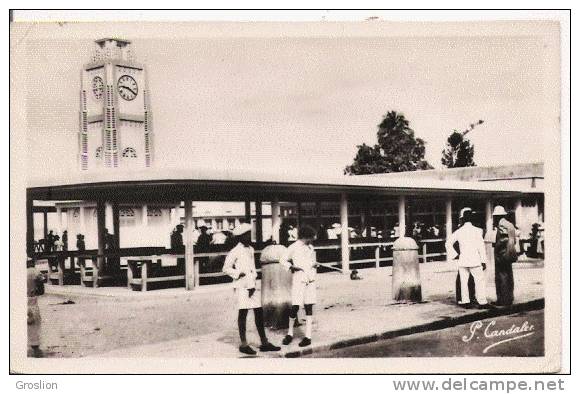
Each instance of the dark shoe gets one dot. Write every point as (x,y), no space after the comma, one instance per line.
(305,342)
(485,306)
(287,339)
(268,347)
(246,349)
(466,306)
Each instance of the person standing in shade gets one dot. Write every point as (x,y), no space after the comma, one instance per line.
(81,242)
(176,239)
(505,255)
(204,239)
(472,258)
(321,234)
(81,247)
(240,265)
(65,240)
(300,259)
(50,241)
(34,288)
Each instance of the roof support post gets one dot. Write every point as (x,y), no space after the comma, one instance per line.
(344,247)
(488,217)
(276,221)
(59,221)
(489,241)
(144,218)
(518,212)
(248,211)
(448,217)
(82,220)
(402,216)
(259,232)
(116,238)
(116,226)
(298,214)
(112,244)
(318,214)
(45,224)
(189,256)
(97,270)
(176,214)
(109,217)
(366,218)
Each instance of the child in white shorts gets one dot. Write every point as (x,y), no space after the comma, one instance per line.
(241,267)
(301,261)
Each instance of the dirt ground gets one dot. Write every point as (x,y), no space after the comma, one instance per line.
(94,324)
(98,324)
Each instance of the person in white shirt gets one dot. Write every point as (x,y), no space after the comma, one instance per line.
(300,259)
(240,265)
(472,258)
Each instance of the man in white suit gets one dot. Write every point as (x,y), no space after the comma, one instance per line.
(472,258)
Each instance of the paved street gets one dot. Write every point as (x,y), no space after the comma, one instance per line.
(450,342)
(177,323)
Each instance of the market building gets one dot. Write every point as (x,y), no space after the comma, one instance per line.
(126,210)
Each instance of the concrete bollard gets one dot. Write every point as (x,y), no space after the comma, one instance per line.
(276,287)
(406,276)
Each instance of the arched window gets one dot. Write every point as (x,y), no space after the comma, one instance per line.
(154,215)
(130,153)
(126,216)
(99,152)
(154,212)
(126,212)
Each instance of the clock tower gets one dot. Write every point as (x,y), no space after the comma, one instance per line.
(115,116)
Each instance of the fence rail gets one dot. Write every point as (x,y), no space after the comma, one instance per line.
(143,265)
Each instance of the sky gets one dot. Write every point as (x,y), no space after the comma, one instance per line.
(288,101)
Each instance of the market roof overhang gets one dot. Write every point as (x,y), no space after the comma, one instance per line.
(151,185)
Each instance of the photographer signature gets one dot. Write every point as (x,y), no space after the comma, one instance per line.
(500,335)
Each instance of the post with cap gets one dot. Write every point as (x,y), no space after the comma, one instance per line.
(276,287)
(406,275)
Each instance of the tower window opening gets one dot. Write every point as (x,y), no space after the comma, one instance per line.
(129,153)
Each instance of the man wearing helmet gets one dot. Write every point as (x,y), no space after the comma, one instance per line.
(472,258)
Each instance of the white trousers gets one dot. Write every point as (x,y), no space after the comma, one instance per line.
(478,278)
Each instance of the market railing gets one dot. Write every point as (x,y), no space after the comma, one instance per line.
(145,265)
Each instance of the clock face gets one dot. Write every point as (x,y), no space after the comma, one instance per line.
(98,87)
(127,87)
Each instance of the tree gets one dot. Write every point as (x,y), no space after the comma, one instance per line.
(397,149)
(459,150)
